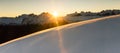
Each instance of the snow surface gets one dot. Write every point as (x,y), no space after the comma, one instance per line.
(71,19)
(100,35)
(10,21)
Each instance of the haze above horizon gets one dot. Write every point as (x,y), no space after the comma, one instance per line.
(17,7)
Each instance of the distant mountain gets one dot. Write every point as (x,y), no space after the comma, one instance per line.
(101,13)
(46,18)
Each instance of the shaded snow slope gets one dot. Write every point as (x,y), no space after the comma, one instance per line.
(100,35)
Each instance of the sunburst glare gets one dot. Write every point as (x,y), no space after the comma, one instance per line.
(55,14)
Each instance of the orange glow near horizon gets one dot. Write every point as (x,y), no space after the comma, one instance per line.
(55,18)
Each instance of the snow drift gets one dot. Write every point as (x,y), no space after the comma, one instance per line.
(100,35)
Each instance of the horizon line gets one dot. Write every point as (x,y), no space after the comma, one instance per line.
(51,13)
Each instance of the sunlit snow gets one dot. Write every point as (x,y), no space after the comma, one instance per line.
(100,35)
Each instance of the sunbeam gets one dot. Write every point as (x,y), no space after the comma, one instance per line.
(60,36)
(61,44)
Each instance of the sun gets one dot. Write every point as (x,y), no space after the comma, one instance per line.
(55,14)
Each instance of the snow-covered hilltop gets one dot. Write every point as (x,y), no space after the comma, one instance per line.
(80,16)
(25,19)
(10,21)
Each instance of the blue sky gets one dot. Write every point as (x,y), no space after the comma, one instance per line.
(17,7)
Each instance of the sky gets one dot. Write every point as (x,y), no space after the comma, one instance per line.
(63,7)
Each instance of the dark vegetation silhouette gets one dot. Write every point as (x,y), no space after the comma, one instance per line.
(9,32)
(30,23)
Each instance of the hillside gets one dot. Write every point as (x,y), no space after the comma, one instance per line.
(92,36)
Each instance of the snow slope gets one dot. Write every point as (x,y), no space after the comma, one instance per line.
(100,35)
